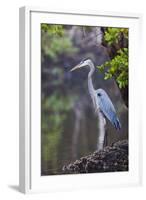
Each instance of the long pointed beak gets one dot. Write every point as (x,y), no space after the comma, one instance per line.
(74,68)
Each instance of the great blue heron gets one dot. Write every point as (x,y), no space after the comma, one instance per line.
(102,104)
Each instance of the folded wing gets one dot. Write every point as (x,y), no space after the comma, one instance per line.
(107,108)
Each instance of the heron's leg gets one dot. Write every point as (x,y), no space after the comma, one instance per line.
(101,133)
(105,138)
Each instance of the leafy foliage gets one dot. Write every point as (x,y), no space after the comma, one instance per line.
(54,29)
(117,67)
(113,35)
(55,42)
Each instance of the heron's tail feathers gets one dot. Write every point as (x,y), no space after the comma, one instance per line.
(117,123)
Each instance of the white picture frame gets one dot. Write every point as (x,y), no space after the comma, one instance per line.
(30,178)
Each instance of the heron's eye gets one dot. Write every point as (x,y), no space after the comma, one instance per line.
(99,94)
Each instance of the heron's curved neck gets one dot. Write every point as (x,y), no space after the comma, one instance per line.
(90,83)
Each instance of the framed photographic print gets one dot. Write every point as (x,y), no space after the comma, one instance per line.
(79,118)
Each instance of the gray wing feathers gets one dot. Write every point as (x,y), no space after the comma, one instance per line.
(108,110)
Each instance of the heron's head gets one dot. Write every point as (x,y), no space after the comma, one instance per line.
(83,63)
(100,93)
